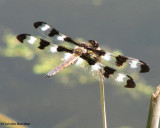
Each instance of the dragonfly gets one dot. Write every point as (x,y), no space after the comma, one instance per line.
(88,51)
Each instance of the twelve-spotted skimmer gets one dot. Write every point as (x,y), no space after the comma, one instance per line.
(84,51)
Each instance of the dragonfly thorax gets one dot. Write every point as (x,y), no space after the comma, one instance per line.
(79,50)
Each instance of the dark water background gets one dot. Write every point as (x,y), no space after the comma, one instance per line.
(132,26)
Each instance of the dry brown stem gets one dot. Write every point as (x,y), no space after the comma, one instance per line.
(103,106)
(154,110)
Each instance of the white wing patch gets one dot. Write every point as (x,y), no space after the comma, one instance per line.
(32,39)
(45,27)
(134,63)
(96,67)
(67,56)
(107,56)
(80,61)
(61,37)
(53,49)
(120,77)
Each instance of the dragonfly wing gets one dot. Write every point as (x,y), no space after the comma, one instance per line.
(114,75)
(42,44)
(129,62)
(48,30)
(118,77)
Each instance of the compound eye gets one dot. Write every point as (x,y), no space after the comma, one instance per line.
(94,43)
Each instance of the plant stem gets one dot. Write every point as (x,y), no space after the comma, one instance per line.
(154,110)
(103,106)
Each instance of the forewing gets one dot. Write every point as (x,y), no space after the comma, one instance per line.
(42,44)
(57,36)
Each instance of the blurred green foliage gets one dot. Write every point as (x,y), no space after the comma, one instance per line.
(45,62)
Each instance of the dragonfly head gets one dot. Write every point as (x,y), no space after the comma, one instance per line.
(94,43)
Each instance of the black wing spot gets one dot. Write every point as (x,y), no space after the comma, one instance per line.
(144,67)
(43,44)
(100,52)
(130,83)
(37,24)
(120,60)
(108,71)
(89,59)
(69,39)
(53,32)
(63,49)
(22,37)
